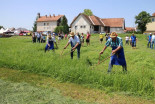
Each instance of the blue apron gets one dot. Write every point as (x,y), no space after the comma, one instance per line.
(118,58)
(51,46)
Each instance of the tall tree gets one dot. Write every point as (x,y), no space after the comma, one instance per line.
(142,19)
(65,25)
(88,12)
(35,25)
(1,27)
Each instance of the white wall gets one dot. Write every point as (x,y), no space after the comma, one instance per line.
(117,29)
(50,27)
(81,21)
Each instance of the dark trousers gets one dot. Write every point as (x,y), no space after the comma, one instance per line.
(78,51)
(38,40)
(149,44)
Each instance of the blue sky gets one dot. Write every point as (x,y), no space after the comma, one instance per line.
(22,13)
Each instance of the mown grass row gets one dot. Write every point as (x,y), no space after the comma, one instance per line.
(23,93)
(20,53)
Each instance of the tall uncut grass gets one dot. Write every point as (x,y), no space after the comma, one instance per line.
(20,53)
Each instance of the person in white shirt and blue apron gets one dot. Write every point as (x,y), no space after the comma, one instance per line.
(50,43)
(118,57)
(75,44)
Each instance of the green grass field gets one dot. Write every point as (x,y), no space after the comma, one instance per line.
(20,53)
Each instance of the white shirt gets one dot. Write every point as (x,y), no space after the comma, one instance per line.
(153,37)
(126,38)
(75,40)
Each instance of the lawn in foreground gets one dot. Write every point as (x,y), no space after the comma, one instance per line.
(20,53)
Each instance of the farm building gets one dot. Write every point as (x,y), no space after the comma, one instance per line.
(48,23)
(93,24)
(151,26)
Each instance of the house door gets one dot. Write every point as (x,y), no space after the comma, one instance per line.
(107,29)
(96,29)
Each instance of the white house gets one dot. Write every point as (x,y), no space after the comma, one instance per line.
(48,23)
(93,24)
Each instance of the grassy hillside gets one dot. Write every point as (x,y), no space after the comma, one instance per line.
(20,53)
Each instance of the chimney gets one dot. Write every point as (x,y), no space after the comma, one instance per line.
(53,15)
(46,16)
(50,16)
(38,15)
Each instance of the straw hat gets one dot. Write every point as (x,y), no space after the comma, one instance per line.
(113,35)
(72,34)
(49,36)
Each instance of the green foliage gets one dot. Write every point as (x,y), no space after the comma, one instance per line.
(35,25)
(63,26)
(58,29)
(20,53)
(142,19)
(88,12)
(23,93)
(1,27)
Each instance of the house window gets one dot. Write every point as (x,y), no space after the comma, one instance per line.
(84,26)
(47,24)
(152,19)
(44,27)
(80,26)
(90,26)
(75,27)
(44,24)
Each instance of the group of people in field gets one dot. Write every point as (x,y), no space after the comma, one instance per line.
(151,41)
(112,40)
(131,40)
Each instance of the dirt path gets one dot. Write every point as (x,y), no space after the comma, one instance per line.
(73,90)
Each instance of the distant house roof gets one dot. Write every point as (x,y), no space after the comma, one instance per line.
(49,18)
(128,29)
(113,22)
(94,20)
(153,14)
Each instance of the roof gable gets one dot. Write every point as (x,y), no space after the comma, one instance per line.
(113,22)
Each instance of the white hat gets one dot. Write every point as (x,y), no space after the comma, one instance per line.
(150,33)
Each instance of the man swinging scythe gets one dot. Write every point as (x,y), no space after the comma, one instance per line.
(117,57)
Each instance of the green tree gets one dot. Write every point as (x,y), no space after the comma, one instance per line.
(64,24)
(142,19)
(35,25)
(88,12)
(58,29)
(1,27)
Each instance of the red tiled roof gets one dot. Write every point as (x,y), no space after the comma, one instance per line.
(129,28)
(93,20)
(153,14)
(82,15)
(96,20)
(113,22)
(49,18)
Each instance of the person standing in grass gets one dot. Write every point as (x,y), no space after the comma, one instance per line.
(149,40)
(33,38)
(118,57)
(50,43)
(127,40)
(82,39)
(153,41)
(88,39)
(101,37)
(75,44)
(38,37)
(133,40)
